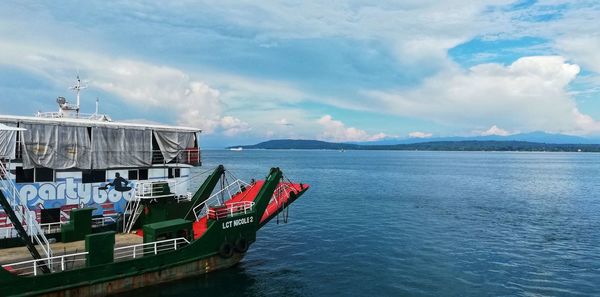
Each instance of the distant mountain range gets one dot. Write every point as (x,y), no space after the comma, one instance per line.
(562,143)
(540,137)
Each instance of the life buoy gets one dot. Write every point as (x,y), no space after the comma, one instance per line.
(242,245)
(226,250)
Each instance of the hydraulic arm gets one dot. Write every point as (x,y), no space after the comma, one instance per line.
(207,188)
(266,192)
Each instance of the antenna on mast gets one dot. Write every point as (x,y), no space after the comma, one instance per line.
(77,88)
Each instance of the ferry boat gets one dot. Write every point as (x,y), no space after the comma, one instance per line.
(59,167)
(64,160)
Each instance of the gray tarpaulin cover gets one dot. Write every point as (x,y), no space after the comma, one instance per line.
(118,147)
(8,141)
(172,143)
(54,146)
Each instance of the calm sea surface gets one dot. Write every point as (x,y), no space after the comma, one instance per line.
(419,224)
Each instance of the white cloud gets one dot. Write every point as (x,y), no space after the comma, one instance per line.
(530,94)
(522,96)
(233,126)
(584,50)
(335,130)
(570,27)
(418,134)
(142,84)
(494,130)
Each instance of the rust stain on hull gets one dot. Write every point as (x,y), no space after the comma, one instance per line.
(145,279)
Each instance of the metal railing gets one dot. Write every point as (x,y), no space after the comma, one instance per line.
(57,264)
(133,210)
(219,198)
(79,115)
(282,190)
(47,228)
(77,260)
(150,190)
(189,156)
(103,221)
(154,189)
(22,212)
(150,248)
(230,210)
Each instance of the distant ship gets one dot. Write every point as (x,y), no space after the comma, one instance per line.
(237,149)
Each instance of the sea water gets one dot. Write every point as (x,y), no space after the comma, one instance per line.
(397,223)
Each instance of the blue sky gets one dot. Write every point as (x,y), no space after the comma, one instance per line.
(336,70)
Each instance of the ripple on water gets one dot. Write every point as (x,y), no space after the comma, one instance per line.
(420,224)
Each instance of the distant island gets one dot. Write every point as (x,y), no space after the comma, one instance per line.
(466,145)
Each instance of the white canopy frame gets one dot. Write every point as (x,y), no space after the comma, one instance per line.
(8,141)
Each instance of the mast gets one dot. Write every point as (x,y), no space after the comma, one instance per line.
(77,88)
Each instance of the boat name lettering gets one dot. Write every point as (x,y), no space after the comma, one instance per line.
(238,222)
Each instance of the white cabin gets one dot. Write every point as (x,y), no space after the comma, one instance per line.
(61,161)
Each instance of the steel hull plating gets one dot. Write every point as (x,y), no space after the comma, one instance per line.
(147,279)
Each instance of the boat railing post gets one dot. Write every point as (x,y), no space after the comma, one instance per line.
(29,224)
(34,268)
(134,251)
(62,263)
(155,249)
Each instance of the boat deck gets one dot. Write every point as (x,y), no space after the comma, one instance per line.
(18,254)
(281,198)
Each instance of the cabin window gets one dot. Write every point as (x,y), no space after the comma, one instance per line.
(132,174)
(34,175)
(44,175)
(24,175)
(143,174)
(93,176)
(174,172)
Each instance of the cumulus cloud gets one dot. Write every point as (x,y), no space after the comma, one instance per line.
(529,94)
(335,130)
(494,130)
(195,103)
(583,49)
(233,126)
(418,134)
(146,85)
(571,28)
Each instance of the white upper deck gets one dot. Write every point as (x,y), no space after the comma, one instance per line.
(71,121)
(70,139)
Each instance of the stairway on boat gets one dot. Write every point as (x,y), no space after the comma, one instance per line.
(18,212)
